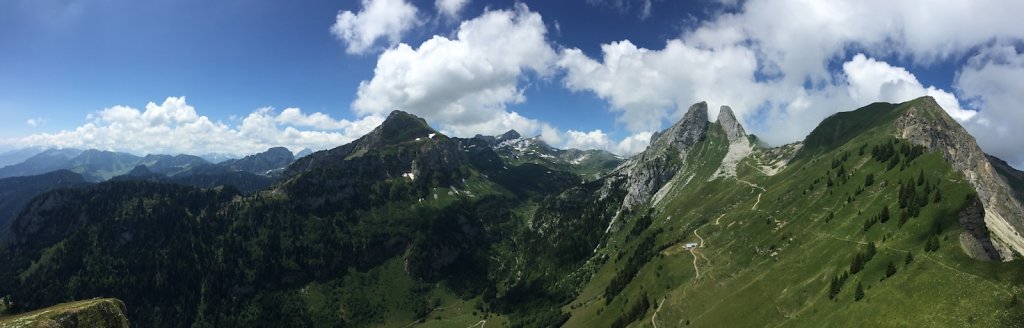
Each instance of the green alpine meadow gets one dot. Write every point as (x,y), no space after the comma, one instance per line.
(886,215)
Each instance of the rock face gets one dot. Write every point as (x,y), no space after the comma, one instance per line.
(510,135)
(493,141)
(690,130)
(739,146)
(732,127)
(648,171)
(975,239)
(95,313)
(928,125)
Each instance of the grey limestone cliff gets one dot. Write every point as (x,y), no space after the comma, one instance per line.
(926,123)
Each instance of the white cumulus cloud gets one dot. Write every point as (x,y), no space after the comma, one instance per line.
(35,122)
(379,19)
(597,139)
(464,84)
(174,127)
(871,80)
(773,62)
(993,80)
(450,8)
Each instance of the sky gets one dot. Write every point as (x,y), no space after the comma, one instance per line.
(239,76)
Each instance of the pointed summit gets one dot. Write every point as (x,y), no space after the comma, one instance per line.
(732,126)
(401,126)
(510,135)
(685,133)
(924,122)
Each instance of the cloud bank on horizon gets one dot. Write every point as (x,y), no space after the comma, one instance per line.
(782,65)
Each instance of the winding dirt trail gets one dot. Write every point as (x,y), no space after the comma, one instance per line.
(719,218)
(653,317)
(698,237)
(755,186)
(481,324)
(695,268)
(757,202)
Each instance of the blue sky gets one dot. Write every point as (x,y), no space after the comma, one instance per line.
(63,59)
(588,73)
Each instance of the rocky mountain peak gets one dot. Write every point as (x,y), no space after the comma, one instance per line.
(510,135)
(686,132)
(733,130)
(925,123)
(401,126)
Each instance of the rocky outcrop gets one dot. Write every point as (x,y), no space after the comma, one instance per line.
(975,239)
(95,313)
(926,123)
(647,172)
(493,141)
(739,146)
(733,130)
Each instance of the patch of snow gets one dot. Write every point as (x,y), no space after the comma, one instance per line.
(580,159)
(410,175)
(431,136)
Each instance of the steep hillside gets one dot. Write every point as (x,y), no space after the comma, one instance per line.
(861,226)
(15,192)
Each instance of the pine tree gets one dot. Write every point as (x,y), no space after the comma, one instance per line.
(884,216)
(909,259)
(920,178)
(857,264)
(890,270)
(869,180)
(871,251)
(938,196)
(833,289)
(932,244)
(859,293)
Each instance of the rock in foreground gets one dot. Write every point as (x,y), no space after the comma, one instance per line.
(106,312)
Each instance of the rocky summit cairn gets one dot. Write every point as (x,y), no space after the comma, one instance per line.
(732,126)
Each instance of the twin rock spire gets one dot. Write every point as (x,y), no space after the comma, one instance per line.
(693,127)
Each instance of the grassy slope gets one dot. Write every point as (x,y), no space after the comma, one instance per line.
(772,265)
